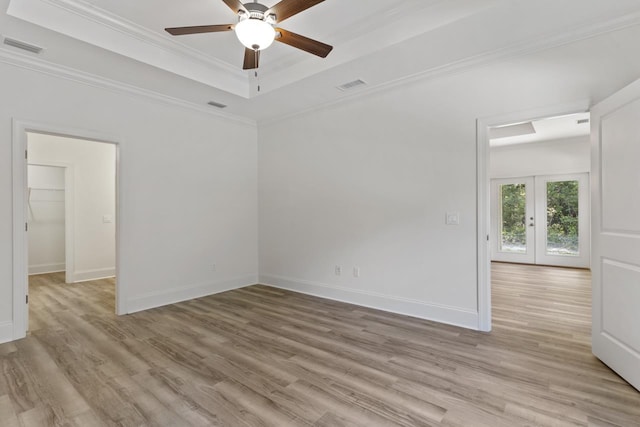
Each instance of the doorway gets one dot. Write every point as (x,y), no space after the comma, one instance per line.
(71,204)
(514,130)
(91,215)
(541,220)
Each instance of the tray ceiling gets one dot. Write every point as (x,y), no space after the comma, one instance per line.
(135,29)
(122,43)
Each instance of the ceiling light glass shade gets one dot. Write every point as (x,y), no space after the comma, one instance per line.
(255,33)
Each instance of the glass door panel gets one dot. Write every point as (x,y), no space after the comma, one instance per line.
(512,224)
(513,218)
(562,218)
(563,200)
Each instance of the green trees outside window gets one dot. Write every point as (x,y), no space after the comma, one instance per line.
(514,236)
(562,217)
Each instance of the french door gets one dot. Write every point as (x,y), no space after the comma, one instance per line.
(541,220)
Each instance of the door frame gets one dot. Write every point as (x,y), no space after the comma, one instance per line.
(483,193)
(20,128)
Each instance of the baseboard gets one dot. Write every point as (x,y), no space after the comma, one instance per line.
(87,275)
(6,332)
(184,293)
(438,313)
(46,268)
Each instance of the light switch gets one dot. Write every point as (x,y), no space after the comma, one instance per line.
(107,219)
(453,218)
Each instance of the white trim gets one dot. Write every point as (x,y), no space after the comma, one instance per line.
(456,316)
(19,173)
(483,194)
(46,268)
(39,65)
(20,256)
(483,226)
(94,274)
(525,48)
(185,293)
(86,22)
(6,332)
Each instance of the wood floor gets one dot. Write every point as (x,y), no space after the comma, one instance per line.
(264,357)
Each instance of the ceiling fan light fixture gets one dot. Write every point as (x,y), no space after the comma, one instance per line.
(255,33)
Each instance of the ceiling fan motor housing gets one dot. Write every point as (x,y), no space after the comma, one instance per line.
(257,11)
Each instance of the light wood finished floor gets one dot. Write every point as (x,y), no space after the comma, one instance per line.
(264,357)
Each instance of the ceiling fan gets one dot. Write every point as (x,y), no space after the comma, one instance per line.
(256,28)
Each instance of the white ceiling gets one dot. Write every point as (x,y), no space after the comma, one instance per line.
(136,30)
(383,42)
(547,129)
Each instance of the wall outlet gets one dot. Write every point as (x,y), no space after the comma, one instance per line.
(356,271)
(338,270)
(453,218)
(214,267)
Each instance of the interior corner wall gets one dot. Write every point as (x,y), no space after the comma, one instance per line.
(367,183)
(187,188)
(46,218)
(94,196)
(561,156)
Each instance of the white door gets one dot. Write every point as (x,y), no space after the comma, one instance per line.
(541,220)
(562,220)
(615,158)
(512,223)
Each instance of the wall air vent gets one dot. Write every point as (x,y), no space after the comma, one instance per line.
(352,85)
(216,104)
(582,121)
(22,45)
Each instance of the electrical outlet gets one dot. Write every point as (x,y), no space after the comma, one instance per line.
(356,271)
(453,218)
(214,267)
(338,270)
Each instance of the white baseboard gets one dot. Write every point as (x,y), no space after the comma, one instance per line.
(184,293)
(438,313)
(6,332)
(87,275)
(46,268)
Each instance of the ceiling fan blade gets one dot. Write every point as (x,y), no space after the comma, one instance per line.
(287,8)
(181,31)
(301,42)
(251,59)
(235,5)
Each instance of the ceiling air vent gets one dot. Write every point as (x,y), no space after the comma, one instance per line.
(352,85)
(216,104)
(22,45)
(582,121)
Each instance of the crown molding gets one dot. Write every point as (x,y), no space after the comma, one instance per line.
(519,49)
(108,19)
(39,65)
(369,34)
(112,32)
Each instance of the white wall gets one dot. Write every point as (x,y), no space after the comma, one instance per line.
(368,182)
(187,187)
(563,156)
(93,192)
(46,219)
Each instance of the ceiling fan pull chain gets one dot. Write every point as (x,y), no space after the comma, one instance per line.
(257,57)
